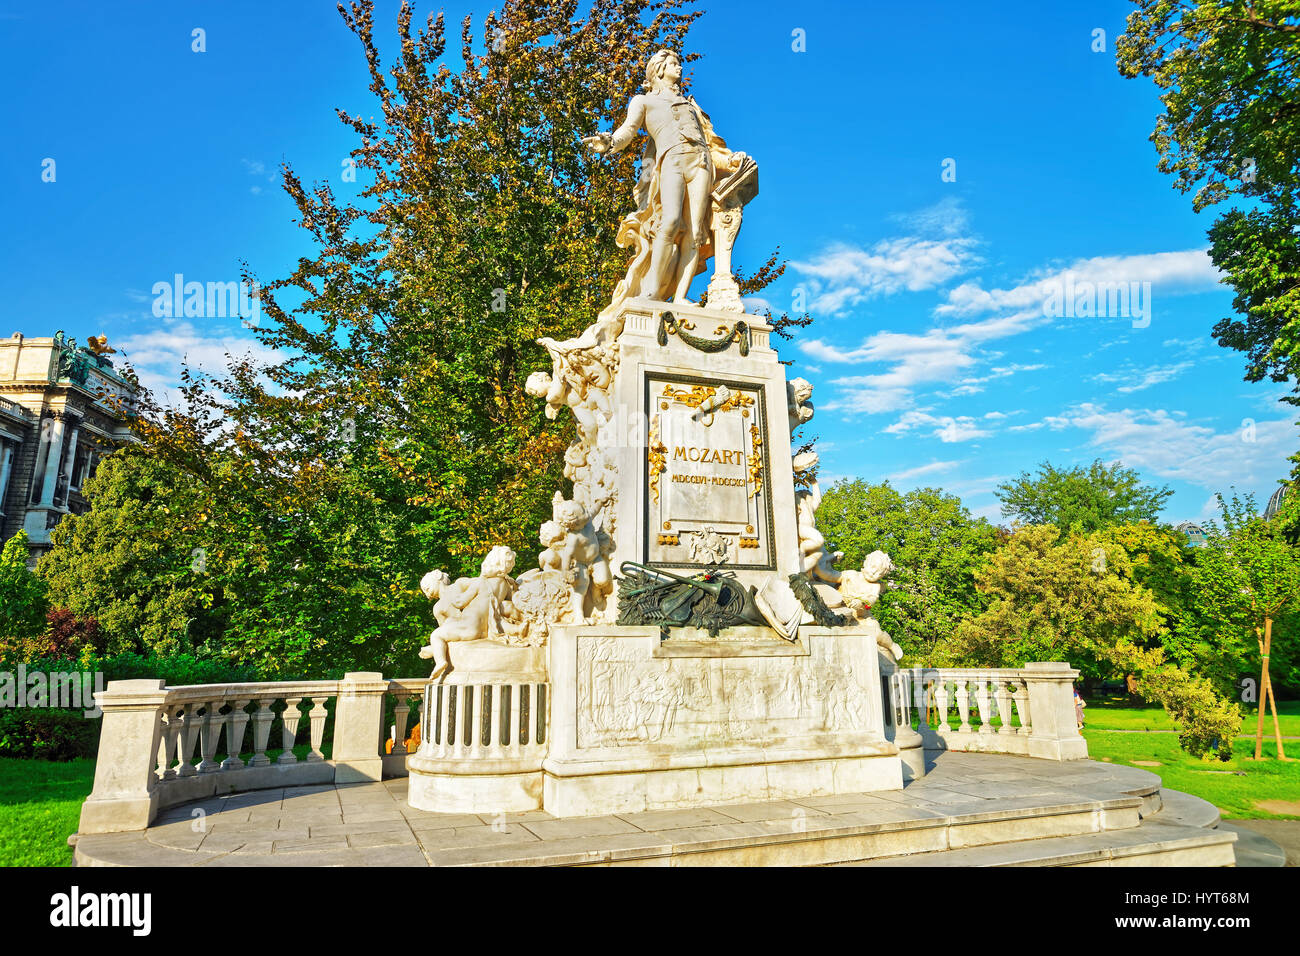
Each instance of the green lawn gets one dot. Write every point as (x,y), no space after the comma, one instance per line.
(1114,713)
(1234,786)
(40,804)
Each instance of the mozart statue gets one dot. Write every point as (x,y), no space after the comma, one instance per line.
(689,196)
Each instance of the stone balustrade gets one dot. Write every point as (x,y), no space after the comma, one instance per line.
(1026,710)
(160,746)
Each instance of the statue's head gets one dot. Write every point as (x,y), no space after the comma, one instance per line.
(570,515)
(551,534)
(876,565)
(802,389)
(664,68)
(433,583)
(538,384)
(499,562)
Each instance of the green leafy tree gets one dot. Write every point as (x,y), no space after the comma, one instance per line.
(138,561)
(1229,76)
(1260,253)
(936,546)
(1074,600)
(1246,578)
(1158,559)
(1081,500)
(23,602)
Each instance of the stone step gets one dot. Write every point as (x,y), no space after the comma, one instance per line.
(1150,844)
(872,830)
(1187,810)
(1254,849)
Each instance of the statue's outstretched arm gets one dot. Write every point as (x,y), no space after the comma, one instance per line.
(621,137)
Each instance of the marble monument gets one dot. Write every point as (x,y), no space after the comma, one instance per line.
(686,638)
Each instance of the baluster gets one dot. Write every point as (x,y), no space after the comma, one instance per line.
(289,732)
(236,721)
(435,706)
(902,689)
(211,734)
(173,721)
(515,746)
(941,703)
(487,723)
(455,709)
(262,721)
(1020,695)
(317,718)
(921,698)
(505,707)
(982,700)
(542,714)
(401,714)
(963,704)
(190,727)
(1004,707)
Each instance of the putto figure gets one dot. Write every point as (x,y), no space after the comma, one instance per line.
(689,196)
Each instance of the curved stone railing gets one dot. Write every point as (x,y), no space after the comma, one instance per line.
(160,745)
(1025,710)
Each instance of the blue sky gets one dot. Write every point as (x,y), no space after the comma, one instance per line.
(934,359)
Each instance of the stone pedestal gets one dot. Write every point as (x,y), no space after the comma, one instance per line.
(643,724)
(702,444)
(483,732)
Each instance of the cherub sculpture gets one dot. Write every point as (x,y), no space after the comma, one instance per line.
(818,563)
(798,391)
(580,378)
(470,609)
(862,589)
(575,547)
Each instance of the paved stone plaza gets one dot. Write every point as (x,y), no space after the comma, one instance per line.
(971,809)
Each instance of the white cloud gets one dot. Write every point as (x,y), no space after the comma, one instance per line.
(841,276)
(1168,446)
(944,427)
(933,468)
(1136,379)
(1170,273)
(949,355)
(947,217)
(158,355)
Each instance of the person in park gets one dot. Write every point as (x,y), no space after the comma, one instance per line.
(1079,704)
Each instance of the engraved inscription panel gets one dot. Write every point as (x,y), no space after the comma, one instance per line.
(706,473)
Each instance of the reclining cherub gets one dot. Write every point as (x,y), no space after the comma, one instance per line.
(469,609)
(862,589)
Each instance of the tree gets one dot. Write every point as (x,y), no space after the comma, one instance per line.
(395,436)
(1260,252)
(1229,73)
(1248,575)
(1081,500)
(23,603)
(936,546)
(143,561)
(1072,600)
